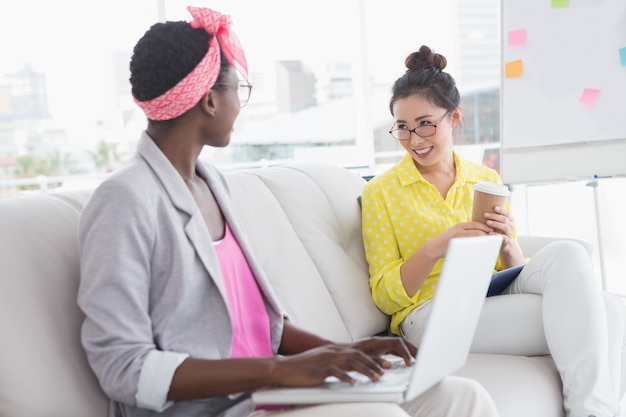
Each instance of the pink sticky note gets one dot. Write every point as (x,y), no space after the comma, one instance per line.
(517,38)
(589,96)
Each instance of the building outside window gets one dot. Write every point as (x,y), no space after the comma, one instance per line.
(321,71)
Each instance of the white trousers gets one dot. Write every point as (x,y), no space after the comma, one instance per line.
(581,326)
(453,397)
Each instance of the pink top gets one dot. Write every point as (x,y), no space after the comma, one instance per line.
(251,331)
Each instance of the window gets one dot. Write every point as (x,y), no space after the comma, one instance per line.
(322,73)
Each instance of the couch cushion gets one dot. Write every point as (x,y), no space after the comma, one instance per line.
(44,371)
(304,223)
(520,386)
(75,198)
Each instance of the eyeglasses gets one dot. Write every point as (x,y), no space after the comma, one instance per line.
(244,89)
(423,131)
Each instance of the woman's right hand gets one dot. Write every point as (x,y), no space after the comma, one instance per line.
(415,270)
(313,366)
(439,245)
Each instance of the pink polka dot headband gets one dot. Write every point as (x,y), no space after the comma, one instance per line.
(184,95)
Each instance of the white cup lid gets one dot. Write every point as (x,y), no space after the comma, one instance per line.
(492,188)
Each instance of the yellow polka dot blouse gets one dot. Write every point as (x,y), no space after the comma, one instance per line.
(401,211)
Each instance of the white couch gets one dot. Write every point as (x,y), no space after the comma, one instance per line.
(304,221)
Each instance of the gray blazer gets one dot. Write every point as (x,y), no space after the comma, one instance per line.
(150,279)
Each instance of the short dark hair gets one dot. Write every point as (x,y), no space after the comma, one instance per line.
(164,55)
(425,76)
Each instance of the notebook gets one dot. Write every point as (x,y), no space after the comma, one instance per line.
(465,277)
(501,279)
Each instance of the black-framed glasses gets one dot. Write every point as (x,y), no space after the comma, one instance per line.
(423,131)
(244,89)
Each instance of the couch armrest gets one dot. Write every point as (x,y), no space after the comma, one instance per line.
(532,244)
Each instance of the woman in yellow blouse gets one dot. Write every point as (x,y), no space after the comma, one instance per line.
(412,210)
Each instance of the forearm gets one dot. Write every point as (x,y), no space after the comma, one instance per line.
(416,269)
(511,254)
(295,340)
(199,378)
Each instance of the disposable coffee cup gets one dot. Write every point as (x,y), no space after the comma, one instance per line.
(487,195)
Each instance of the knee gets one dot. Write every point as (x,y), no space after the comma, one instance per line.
(565,258)
(567,250)
(454,396)
(467,391)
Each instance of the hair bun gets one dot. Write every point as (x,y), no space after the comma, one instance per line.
(424,58)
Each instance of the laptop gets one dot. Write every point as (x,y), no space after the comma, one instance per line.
(457,304)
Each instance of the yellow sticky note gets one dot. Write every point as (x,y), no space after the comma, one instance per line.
(560,4)
(514,69)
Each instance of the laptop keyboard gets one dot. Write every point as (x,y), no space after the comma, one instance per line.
(397,375)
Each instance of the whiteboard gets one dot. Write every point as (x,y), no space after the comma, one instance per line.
(563,115)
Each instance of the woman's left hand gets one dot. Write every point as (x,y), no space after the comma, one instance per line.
(377,346)
(502,222)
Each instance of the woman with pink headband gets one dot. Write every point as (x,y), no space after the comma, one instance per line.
(168,330)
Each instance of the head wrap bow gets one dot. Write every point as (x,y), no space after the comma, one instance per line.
(188,91)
